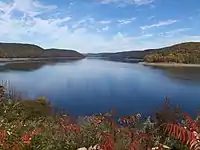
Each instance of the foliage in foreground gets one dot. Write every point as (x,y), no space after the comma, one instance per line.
(31,125)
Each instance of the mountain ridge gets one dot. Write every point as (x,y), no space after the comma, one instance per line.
(23,50)
(184,48)
(185,52)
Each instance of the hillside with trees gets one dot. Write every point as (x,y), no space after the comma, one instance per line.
(121,55)
(126,56)
(188,53)
(17,50)
(60,53)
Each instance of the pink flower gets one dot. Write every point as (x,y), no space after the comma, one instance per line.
(27,139)
(72,127)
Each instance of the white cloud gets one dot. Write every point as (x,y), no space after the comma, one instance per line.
(127,21)
(79,23)
(151,17)
(143,2)
(105,21)
(125,2)
(145,36)
(105,28)
(166,41)
(176,31)
(159,24)
(54,32)
(67,32)
(85,22)
(31,7)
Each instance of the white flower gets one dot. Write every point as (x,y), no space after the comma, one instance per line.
(83,148)
(9,133)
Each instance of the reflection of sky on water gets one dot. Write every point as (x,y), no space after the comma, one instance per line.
(87,86)
(191,75)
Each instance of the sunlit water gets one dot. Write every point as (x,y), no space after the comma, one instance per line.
(92,86)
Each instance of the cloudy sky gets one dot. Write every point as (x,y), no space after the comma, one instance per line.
(100,25)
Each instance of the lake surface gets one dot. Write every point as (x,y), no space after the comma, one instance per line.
(91,86)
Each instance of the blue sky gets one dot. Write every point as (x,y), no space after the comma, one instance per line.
(100,25)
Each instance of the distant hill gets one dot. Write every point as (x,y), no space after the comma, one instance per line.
(60,53)
(188,52)
(17,50)
(126,56)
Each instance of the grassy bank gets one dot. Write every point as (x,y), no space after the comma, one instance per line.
(169,64)
(35,125)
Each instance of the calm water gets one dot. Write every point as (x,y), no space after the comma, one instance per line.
(91,86)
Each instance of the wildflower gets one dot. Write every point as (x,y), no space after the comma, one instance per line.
(72,127)
(2,133)
(82,148)
(2,136)
(130,120)
(108,142)
(95,119)
(9,133)
(27,138)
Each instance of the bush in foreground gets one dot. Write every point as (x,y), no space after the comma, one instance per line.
(31,125)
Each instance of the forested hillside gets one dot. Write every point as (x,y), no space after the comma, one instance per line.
(180,53)
(121,55)
(60,53)
(17,50)
(188,53)
(14,50)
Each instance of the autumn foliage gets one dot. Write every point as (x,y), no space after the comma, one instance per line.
(32,125)
(180,53)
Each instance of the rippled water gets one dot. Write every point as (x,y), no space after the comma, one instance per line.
(91,86)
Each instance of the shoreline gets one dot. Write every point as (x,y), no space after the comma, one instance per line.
(5,60)
(169,64)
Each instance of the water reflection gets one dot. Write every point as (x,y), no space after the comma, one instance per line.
(175,73)
(89,86)
(28,65)
(181,73)
(22,66)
